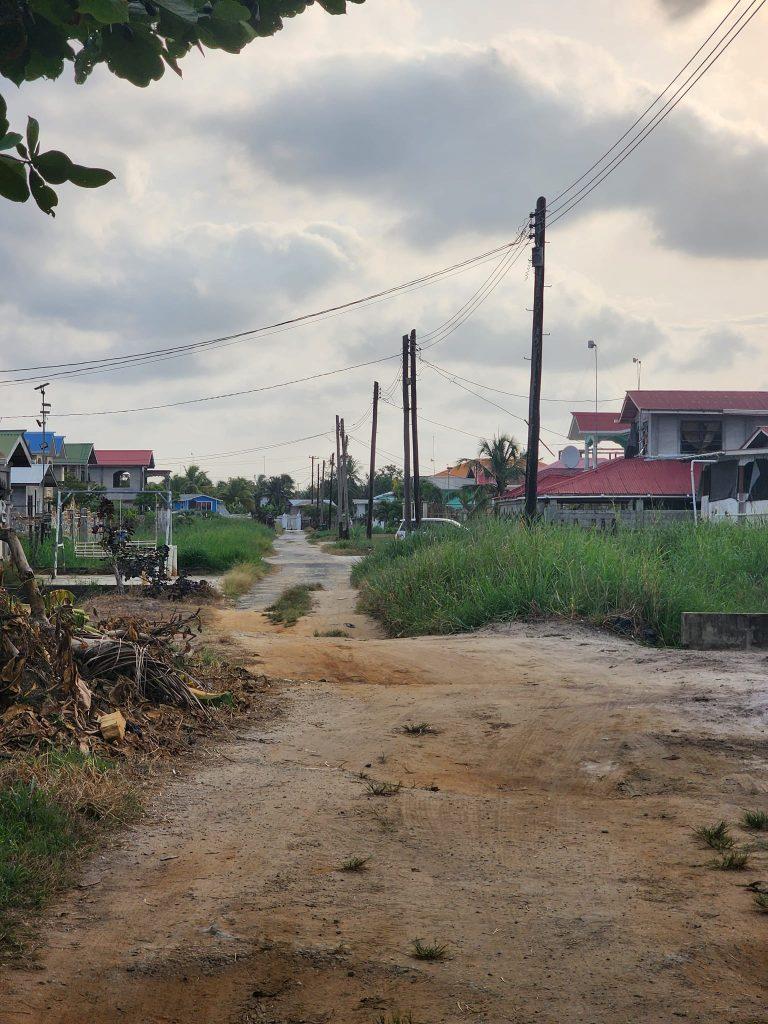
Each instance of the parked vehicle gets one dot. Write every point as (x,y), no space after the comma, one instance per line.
(428,524)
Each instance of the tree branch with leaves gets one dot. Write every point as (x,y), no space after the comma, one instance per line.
(135,39)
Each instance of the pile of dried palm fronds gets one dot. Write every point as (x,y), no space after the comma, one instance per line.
(59,675)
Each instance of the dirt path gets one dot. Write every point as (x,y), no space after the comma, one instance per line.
(544,834)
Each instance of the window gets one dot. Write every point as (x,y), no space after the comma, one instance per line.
(700,436)
(122,478)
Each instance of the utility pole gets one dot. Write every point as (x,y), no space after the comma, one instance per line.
(320,504)
(345,485)
(415,434)
(339,476)
(312,480)
(406,438)
(537,340)
(372,471)
(45,408)
(330,493)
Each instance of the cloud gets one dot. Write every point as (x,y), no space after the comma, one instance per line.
(459,141)
(683,8)
(717,350)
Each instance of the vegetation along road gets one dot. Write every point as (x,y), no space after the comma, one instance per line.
(492,827)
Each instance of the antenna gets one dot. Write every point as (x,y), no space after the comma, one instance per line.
(570,457)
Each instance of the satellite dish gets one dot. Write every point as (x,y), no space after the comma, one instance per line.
(571,457)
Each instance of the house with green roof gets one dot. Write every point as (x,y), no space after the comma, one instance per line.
(14,450)
(75,461)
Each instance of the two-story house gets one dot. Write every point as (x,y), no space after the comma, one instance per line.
(668,432)
(124,473)
(675,424)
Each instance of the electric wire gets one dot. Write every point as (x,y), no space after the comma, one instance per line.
(581,194)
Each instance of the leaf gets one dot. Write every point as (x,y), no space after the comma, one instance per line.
(231,36)
(53,165)
(3,118)
(10,140)
(89,177)
(135,57)
(43,195)
(181,8)
(108,12)
(13,180)
(33,134)
(334,6)
(231,10)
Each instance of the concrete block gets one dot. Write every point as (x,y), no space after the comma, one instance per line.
(712,631)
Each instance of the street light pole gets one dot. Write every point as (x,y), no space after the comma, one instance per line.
(639,364)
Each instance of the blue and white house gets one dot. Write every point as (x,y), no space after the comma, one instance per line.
(203,503)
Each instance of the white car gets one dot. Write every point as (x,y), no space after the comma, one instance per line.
(428,523)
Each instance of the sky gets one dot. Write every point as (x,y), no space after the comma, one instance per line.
(350,154)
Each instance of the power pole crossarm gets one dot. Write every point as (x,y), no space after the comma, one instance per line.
(537,344)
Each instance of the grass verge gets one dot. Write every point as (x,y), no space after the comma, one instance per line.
(241,578)
(358,543)
(218,544)
(638,580)
(53,808)
(292,604)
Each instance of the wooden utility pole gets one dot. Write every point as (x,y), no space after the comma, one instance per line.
(345,485)
(415,434)
(406,437)
(339,476)
(312,480)
(320,505)
(330,494)
(372,471)
(537,344)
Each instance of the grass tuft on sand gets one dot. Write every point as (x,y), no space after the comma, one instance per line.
(241,578)
(292,604)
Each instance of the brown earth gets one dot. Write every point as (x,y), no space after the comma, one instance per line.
(543,833)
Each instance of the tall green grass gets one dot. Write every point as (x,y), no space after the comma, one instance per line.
(217,544)
(502,571)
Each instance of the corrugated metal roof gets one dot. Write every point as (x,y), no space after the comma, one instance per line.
(600,422)
(23,476)
(8,441)
(34,439)
(78,452)
(629,478)
(124,457)
(693,401)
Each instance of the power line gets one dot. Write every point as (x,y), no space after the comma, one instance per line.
(151,355)
(228,394)
(647,110)
(578,197)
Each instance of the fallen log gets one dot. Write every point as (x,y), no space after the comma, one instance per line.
(29,587)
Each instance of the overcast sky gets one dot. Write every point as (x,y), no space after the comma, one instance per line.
(349,154)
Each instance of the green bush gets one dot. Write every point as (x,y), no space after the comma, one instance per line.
(438,583)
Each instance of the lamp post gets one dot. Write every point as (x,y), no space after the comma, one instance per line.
(639,364)
(593,345)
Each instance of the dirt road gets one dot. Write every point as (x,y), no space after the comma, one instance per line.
(543,833)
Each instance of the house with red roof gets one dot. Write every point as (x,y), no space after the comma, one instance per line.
(125,472)
(667,437)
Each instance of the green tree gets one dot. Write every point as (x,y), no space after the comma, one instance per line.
(499,459)
(237,493)
(385,477)
(193,479)
(135,39)
(279,490)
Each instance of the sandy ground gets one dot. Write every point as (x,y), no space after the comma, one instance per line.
(543,833)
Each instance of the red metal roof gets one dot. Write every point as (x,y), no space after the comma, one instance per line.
(629,478)
(547,475)
(124,457)
(693,401)
(600,422)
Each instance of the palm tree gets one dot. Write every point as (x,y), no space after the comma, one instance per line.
(237,494)
(195,479)
(499,459)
